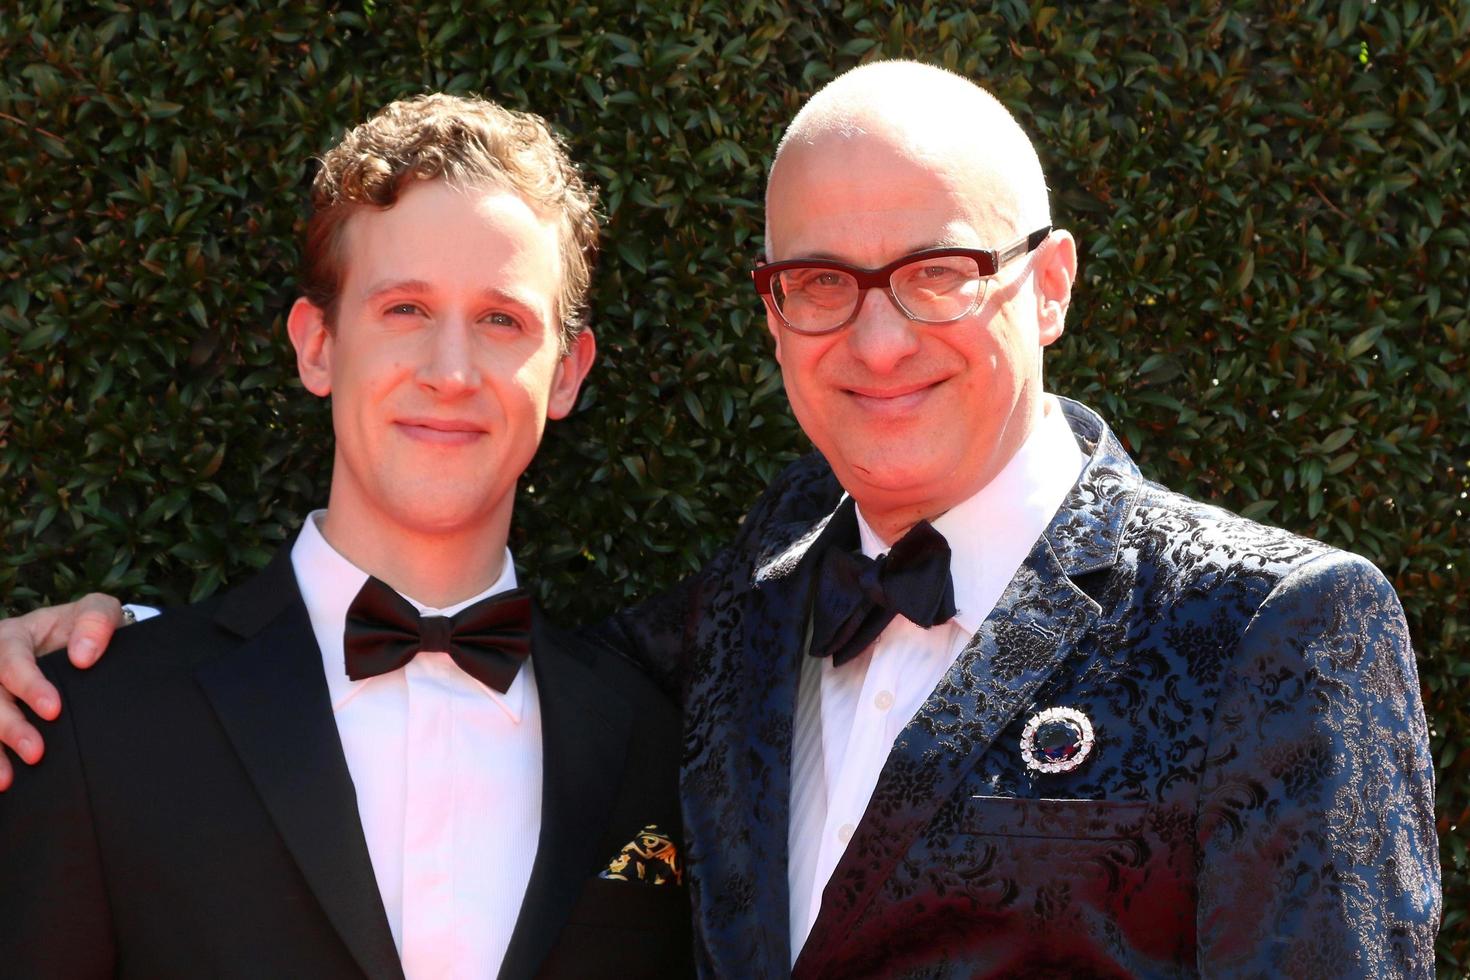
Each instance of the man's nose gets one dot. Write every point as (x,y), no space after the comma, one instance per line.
(449,365)
(881,335)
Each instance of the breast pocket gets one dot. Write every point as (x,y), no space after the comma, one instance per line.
(631,905)
(622,930)
(1100,820)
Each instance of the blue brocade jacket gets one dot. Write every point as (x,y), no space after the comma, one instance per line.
(1258,801)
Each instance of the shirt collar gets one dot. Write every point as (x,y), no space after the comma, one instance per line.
(329,583)
(991,532)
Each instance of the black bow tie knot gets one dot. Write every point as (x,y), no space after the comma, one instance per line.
(856,597)
(487,639)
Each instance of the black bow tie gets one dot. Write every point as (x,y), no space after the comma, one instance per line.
(857,596)
(488,639)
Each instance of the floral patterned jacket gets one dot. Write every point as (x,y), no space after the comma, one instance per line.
(1258,800)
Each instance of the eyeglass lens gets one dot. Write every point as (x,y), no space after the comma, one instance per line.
(936,290)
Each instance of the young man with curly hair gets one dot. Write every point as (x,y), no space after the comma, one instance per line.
(375,757)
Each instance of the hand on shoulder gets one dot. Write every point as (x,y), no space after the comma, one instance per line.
(84,627)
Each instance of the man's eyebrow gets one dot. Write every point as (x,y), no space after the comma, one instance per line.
(511,298)
(385,286)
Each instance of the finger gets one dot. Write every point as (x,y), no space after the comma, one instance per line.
(17,733)
(38,631)
(97,616)
(21,676)
(4,773)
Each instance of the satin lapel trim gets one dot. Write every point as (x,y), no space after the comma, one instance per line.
(585,728)
(271,698)
(1033,627)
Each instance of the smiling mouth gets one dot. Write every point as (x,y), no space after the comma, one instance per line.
(892,400)
(440,433)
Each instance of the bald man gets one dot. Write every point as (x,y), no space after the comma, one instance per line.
(968,697)
(1126,734)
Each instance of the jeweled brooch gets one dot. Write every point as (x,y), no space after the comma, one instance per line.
(1056,740)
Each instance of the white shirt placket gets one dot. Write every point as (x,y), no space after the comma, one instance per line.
(429,935)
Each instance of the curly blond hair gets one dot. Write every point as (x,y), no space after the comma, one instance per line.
(465,141)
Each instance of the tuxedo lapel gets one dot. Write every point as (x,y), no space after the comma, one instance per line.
(1033,628)
(584,734)
(744,857)
(271,698)
(774,665)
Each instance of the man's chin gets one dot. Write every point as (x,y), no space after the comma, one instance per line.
(889,484)
(427,516)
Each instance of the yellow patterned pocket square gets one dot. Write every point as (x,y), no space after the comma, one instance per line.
(652,857)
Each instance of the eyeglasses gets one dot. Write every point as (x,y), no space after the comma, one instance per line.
(936,285)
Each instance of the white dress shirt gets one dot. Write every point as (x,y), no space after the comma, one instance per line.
(848,717)
(447,774)
(448,780)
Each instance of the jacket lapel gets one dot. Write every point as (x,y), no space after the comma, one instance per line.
(1034,627)
(743,817)
(271,698)
(585,728)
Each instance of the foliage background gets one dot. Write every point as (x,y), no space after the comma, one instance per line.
(1270,199)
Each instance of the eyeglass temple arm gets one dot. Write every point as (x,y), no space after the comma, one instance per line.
(1021,247)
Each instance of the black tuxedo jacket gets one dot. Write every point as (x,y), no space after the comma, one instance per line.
(194,815)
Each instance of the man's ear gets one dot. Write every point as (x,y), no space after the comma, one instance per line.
(307,326)
(570,372)
(773,324)
(1056,271)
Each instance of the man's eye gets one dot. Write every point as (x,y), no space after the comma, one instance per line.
(937,274)
(822,279)
(502,320)
(404,309)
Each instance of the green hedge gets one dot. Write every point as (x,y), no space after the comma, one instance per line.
(1270,199)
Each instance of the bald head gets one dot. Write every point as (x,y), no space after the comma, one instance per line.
(905,167)
(935,119)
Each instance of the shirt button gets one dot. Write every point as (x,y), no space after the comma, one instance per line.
(844,833)
(883,701)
